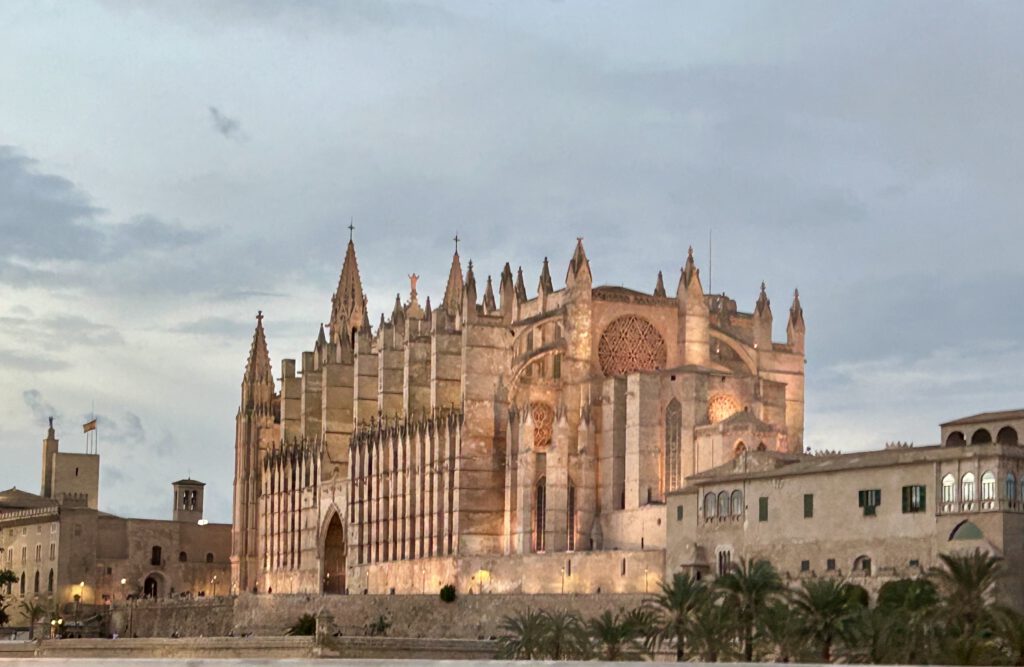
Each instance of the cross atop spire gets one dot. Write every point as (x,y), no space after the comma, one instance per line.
(351,228)
(456,239)
(259,316)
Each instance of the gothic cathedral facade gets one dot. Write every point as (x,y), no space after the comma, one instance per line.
(503,443)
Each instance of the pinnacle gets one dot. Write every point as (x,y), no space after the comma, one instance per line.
(258,365)
(545,279)
(659,287)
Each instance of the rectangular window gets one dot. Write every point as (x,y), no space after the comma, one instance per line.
(762,509)
(808,505)
(24,554)
(39,552)
(869,500)
(556,367)
(830,564)
(913,499)
(679,513)
(53,551)
(914,562)
(623,567)
(805,566)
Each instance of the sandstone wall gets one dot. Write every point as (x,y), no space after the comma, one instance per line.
(469,617)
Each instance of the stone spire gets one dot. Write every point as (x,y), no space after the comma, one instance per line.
(453,291)
(469,294)
(762,321)
(258,380)
(398,314)
(506,292)
(429,311)
(659,288)
(763,304)
(690,273)
(348,308)
(545,286)
(520,286)
(489,304)
(796,328)
(579,265)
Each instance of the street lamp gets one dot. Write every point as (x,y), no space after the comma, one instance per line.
(214,582)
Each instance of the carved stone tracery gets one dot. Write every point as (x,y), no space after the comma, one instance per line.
(543,417)
(631,344)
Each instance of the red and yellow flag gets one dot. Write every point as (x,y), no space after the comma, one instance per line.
(89,426)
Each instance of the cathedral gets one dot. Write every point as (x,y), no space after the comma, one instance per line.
(500,441)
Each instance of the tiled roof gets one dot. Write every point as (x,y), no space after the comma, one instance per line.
(1004,415)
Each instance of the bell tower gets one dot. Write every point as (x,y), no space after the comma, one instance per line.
(188,500)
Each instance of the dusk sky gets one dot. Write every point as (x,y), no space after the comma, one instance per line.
(168,168)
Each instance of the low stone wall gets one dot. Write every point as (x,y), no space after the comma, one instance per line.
(413,616)
(208,647)
(468,617)
(210,617)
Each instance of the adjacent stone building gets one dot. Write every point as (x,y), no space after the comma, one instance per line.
(63,549)
(500,441)
(874,516)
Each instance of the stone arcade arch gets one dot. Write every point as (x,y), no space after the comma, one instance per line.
(152,586)
(334,556)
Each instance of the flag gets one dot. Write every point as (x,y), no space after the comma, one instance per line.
(89,426)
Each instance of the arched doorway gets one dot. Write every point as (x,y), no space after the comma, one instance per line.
(151,587)
(334,557)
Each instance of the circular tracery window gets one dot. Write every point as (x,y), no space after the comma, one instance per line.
(630,344)
(542,416)
(722,406)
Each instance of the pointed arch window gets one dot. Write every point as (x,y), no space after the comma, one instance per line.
(35,583)
(673,435)
(49,582)
(1011,490)
(539,507)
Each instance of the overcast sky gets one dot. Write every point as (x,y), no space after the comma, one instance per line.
(168,168)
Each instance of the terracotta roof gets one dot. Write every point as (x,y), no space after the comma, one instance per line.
(744,417)
(1004,415)
(194,482)
(15,498)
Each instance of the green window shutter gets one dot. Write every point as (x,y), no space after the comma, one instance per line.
(878,497)
(808,505)
(762,509)
(860,499)
(924,505)
(907,492)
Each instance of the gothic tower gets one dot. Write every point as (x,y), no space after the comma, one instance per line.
(253,423)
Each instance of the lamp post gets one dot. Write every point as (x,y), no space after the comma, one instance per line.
(214,582)
(563,579)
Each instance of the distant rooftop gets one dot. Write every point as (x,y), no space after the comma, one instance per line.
(1005,415)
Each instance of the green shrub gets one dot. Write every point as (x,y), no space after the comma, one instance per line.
(378,628)
(448,593)
(304,627)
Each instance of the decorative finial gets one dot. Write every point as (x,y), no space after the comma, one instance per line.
(762,285)
(690,252)
(412,283)
(351,228)
(456,239)
(796,294)
(51,423)
(259,316)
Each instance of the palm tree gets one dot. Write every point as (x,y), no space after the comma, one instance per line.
(966,582)
(783,632)
(830,611)
(1010,635)
(523,636)
(619,636)
(903,623)
(676,608)
(714,634)
(563,635)
(750,586)
(7,577)
(33,611)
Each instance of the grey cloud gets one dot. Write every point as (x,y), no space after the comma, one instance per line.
(41,409)
(68,329)
(228,127)
(35,363)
